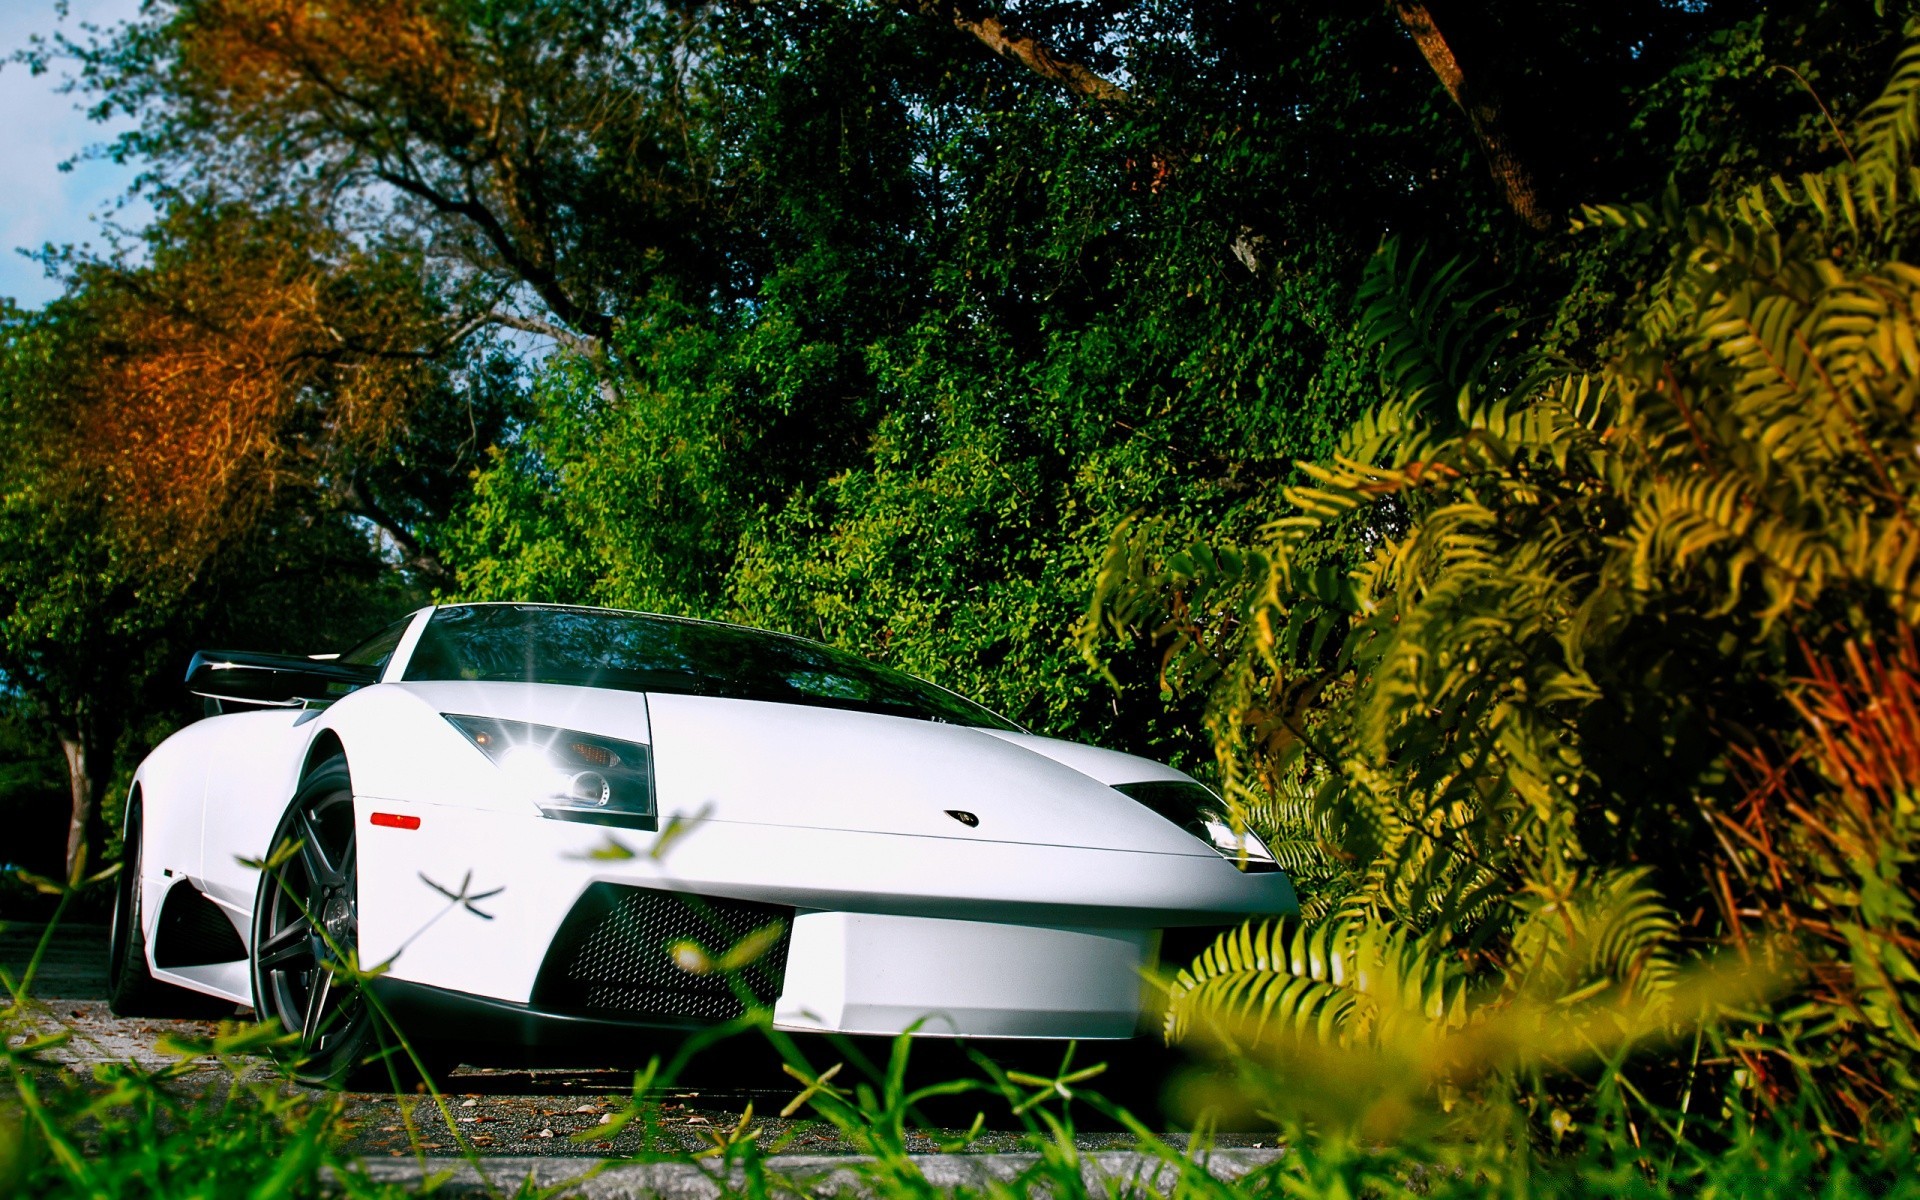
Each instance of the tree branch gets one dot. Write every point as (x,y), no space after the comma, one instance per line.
(421,558)
(589,346)
(1484,110)
(1019,49)
(541,279)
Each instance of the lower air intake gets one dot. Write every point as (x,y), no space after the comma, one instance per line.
(637,952)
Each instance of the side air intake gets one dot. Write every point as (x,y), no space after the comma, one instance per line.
(193,931)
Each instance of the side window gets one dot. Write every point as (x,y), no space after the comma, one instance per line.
(376,650)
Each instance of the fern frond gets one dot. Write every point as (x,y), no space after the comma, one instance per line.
(1613,931)
(1337,982)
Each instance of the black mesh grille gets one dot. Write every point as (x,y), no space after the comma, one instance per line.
(615,954)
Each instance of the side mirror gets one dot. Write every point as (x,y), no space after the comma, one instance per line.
(275,680)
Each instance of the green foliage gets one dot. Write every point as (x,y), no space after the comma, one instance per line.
(1339,981)
(981,328)
(1585,607)
(1776,1159)
(867,335)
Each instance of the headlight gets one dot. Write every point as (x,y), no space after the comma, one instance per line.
(1204,815)
(570,776)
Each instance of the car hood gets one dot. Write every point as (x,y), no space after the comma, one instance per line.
(827,768)
(754,762)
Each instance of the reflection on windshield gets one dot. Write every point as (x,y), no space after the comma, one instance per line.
(642,653)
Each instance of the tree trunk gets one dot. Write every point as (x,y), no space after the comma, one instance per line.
(1019,49)
(86,777)
(1482,105)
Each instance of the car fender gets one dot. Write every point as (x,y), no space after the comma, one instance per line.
(399,747)
(259,761)
(396,747)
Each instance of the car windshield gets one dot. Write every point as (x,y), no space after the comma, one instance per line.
(638,652)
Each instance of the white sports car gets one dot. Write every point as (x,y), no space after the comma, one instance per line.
(548,824)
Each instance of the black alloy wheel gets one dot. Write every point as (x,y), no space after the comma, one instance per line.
(306,922)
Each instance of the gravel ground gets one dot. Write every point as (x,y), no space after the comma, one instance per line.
(520,1112)
(1115,1173)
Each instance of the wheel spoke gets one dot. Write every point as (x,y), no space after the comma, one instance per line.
(320,863)
(316,1006)
(292,946)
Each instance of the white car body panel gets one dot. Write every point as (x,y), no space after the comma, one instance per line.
(869,973)
(259,754)
(1103,766)
(1037,920)
(175,775)
(225,980)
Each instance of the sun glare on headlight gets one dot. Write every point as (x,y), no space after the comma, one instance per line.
(526,764)
(569,776)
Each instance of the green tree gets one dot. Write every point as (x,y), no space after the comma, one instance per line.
(255,374)
(982,310)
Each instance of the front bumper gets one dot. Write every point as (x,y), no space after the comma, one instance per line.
(883,974)
(630,958)
(885,933)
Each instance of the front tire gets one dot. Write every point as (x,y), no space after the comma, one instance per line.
(305,926)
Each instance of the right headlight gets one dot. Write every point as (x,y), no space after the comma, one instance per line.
(570,776)
(1204,815)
